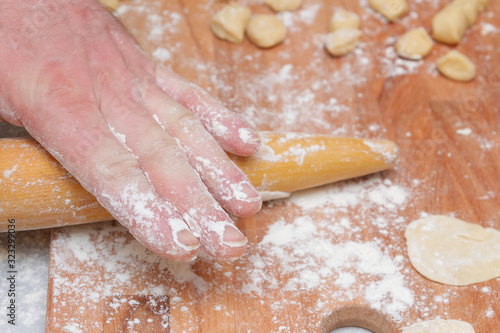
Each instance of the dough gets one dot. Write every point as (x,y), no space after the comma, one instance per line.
(450,251)
(456,66)
(283,5)
(470,9)
(449,24)
(266,30)
(229,23)
(439,326)
(343,19)
(390,9)
(415,44)
(343,41)
(483,4)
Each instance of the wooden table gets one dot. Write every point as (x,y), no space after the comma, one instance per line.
(344,261)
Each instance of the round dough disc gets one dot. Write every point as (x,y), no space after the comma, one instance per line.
(450,251)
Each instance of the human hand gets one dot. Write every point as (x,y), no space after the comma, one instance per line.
(147,143)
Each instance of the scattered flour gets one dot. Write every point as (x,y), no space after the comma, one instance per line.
(244,135)
(295,153)
(305,15)
(350,194)
(486,144)
(464,131)
(487,28)
(73,328)
(389,156)
(395,65)
(300,244)
(308,13)
(8,172)
(161,54)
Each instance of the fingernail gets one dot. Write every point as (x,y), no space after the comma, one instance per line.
(233,237)
(186,238)
(247,193)
(248,136)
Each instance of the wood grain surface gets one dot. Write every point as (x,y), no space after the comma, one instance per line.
(320,278)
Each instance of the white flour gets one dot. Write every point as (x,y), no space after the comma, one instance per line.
(8,172)
(300,244)
(295,153)
(488,28)
(464,131)
(352,194)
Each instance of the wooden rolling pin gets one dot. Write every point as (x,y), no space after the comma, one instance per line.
(38,192)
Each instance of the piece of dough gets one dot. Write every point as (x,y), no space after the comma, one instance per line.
(456,66)
(415,44)
(470,9)
(266,30)
(283,5)
(483,4)
(450,251)
(450,23)
(343,19)
(390,9)
(343,41)
(229,23)
(440,326)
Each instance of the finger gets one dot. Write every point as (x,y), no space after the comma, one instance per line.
(230,131)
(224,180)
(227,183)
(171,175)
(89,151)
(151,220)
(161,159)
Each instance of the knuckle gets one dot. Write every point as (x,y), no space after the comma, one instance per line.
(169,153)
(118,167)
(183,116)
(187,121)
(58,93)
(57,84)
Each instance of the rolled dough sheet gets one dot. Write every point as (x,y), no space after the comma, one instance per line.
(450,251)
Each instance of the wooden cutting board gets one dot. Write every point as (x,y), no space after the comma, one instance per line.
(328,257)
